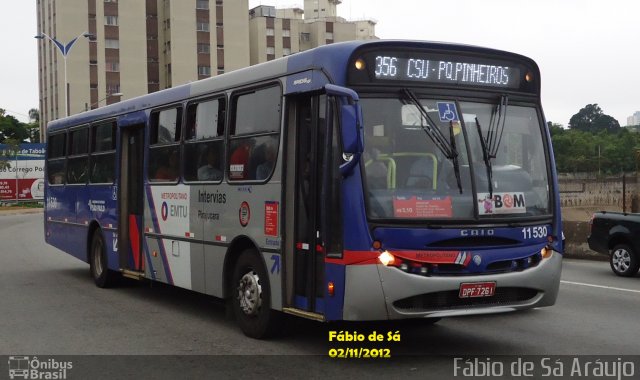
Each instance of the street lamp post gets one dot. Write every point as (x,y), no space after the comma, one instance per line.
(64,50)
(86,105)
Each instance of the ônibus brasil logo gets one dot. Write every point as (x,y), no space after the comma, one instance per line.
(25,367)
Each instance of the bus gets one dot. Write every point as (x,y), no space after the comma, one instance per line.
(358,181)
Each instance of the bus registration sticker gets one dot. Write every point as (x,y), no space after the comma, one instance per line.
(477,289)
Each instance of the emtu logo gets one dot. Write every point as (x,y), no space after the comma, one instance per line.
(164,211)
(19,367)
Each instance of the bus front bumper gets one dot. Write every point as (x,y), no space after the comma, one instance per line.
(378,292)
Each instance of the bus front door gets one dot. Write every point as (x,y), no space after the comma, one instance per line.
(130,199)
(316,227)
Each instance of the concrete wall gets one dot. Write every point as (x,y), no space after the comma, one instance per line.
(576,192)
(580,198)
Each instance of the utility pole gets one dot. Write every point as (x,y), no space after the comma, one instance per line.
(635,199)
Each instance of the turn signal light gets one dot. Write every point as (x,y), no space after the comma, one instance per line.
(546,252)
(331,288)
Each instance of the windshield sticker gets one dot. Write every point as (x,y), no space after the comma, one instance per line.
(501,203)
(447,112)
(418,207)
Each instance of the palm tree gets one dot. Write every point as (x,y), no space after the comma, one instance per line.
(34,115)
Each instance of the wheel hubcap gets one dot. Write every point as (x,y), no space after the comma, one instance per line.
(250,293)
(621,260)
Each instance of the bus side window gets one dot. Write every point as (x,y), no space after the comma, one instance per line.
(255,134)
(56,152)
(103,153)
(204,144)
(164,150)
(78,161)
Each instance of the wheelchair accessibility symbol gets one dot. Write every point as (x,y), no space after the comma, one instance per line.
(447,112)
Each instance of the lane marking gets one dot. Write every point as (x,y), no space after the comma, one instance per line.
(599,286)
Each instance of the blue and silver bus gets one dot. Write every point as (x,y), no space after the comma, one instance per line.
(356,181)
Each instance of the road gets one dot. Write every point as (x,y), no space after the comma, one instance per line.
(51,307)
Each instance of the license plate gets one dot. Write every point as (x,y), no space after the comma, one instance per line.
(477,289)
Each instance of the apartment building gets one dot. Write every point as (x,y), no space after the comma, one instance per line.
(634,119)
(106,51)
(127,48)
(276,33)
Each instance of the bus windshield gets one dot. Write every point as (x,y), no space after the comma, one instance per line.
(445,159)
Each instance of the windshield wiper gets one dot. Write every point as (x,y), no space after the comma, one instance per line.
(454,159)
(491,142)
(448,148)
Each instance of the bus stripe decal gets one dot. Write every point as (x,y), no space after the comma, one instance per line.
(356,258)
(156,227)
(134,238)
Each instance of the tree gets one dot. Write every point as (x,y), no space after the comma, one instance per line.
(33,130)
(555,129)
(11,128)
(34,116)
(8,153)
(592,119)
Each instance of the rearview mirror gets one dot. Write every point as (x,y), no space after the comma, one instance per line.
(350,124)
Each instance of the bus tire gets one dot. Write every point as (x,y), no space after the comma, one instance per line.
(98,264)
(624,260)
(251,297)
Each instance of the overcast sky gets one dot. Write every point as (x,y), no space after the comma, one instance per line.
(588,50)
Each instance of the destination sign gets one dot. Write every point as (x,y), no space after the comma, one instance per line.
(456,72)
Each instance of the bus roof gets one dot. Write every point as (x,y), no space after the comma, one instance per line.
(332,59)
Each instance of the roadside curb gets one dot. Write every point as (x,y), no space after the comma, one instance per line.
(9,211)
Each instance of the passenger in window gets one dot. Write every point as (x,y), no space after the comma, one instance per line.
(377,171)
(421,174)
(210,171)
(264,169)
(57,178)
(169,170)
(239,161)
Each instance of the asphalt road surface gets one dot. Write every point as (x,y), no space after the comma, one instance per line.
(50,307)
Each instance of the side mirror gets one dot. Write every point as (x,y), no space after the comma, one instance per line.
(351,124)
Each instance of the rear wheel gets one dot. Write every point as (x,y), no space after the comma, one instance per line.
(624,261)
(251,297)
(98,264)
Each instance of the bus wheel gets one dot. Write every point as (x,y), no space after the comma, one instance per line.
(251,297)
(102,276)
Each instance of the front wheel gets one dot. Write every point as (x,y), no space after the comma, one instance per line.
(98,265)
(624,261)
(251,297)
